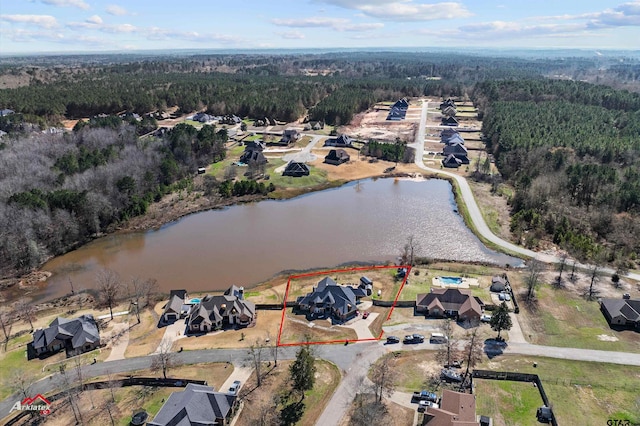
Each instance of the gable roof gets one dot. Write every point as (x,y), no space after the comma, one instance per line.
(451,161)
(449,121)
(175,305)
(627,308)
(342,140)
(456,409)
(182,294)
(455,148)
(454,138)
(337,155)
(254,146)
(196,405)
(296,168)
(342,298)
(76,331)
(449,299)
(401,104)
(253,156)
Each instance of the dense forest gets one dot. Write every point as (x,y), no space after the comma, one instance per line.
(60,190)
(572,152)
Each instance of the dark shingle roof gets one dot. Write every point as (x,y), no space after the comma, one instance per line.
(78,331)
(196,405)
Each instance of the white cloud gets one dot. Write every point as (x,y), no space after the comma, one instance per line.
(404,10)
(67,3)
(43,21)
(625,15)
(291,35)
(338,24)
(156,33)
(96,23)
(95,19)
(363,27)
(114,9)
(310,22)
(21,35)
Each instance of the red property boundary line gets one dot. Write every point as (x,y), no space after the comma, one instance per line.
(312,274)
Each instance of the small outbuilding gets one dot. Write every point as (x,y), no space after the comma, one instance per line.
(498,284)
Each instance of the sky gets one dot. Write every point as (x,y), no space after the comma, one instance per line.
(48,26)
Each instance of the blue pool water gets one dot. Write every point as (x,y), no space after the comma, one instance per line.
(451,280)
(194,301)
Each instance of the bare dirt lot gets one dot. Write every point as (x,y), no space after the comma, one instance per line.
(373,124)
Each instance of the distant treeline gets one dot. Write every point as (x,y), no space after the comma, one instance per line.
(274,86)
(572,152)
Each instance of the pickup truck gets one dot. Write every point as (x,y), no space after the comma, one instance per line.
(424,396)
(413,338)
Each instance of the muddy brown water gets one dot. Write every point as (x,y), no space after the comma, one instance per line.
(366,221)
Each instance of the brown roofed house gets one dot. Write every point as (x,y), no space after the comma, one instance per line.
(451,302)
(456,409)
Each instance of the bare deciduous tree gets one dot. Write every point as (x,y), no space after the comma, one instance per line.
(532,278)
(26,310)
(256,353)
(368,411)
(562,264)
(5,323)
(20,381)
(164,359)
(449,350)
(473,350)
(592,292)
(407,254)
(109,288)
(383,377)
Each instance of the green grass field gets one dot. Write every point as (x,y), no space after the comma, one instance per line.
(584,393)
(571,321)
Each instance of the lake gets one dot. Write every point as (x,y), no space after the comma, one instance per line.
(366,221)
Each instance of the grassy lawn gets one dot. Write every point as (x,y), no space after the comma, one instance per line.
(584,393)
(394,414)
(508,403)
(145,337)
(297,329)
(259,399)
(267,326)
(565,319)
(316,177)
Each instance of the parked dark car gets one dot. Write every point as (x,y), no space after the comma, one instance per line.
(413,338)
(393,339)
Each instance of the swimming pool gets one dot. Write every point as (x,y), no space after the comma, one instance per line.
(194,301)
(450,280)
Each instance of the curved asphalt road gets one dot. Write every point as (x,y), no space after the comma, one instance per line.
(474,211)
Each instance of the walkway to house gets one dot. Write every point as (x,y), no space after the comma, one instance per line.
(172,332)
